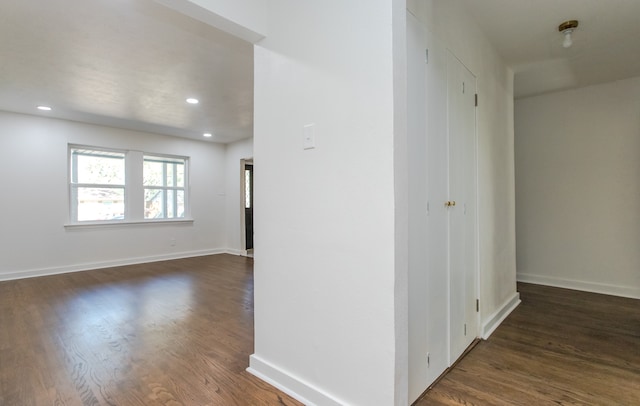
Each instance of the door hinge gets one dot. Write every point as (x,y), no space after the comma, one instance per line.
(477,305)
(426,55)
(465,329)
(428,359)
(476,99)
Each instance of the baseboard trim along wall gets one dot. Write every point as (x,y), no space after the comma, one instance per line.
(614,290)
(289,384)
(232,251)
(33,273)
(492,323)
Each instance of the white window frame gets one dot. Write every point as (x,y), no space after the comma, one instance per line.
(74,185)
(133,189)
(170,159)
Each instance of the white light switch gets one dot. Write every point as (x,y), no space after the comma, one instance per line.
(309,136)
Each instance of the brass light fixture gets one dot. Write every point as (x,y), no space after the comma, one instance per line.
(567,28)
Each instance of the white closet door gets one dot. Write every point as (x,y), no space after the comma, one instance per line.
(470,207)
(461,90)
(437,222)
(417,147)
(428,225)
(442,239)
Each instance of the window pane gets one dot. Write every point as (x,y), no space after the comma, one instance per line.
(180,203)
(162,177)
(153,173)
(97,167)
(170,174)
(175,174)
(247,189)
(164,171)
(97,181)
(170,204)
(154,203)
(100,204)
(180,175)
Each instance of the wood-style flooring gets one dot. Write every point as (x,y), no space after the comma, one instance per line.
(168,333)
(559,347)
(179,333)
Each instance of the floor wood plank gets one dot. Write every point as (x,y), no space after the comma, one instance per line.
(180,333)
(168,333)
(559,347)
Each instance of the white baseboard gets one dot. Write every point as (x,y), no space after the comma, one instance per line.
(614,290)
(242,253)
(296,388)
(492,323)
(32,273)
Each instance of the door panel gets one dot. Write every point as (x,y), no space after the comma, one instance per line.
(470,208)
(428,226)
(442,241)
(248,206)
(417,147)
(462,180)
(437,244)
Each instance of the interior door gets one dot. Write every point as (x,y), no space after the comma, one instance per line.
(428,225)
(442,237)
(470,206)
(248,206)
(461,205)
(417,147)
(437,223)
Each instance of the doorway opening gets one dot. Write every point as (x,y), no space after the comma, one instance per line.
(246,209)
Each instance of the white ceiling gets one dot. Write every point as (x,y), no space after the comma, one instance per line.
(125,63)
(132,63)
(525,32)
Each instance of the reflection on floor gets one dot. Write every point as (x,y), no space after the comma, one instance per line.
(559,346)
(166,333)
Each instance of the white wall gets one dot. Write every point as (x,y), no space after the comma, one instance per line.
(578,188)
(234,152)
(245,19)
(33,239)
(448,21)
(331,256)
(324,218)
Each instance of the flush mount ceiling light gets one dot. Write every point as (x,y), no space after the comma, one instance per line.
(44,108)
(567,28)
(192,100)
(208,135)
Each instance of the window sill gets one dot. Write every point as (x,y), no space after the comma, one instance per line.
(126,223)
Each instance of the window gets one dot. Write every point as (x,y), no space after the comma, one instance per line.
(247,188)
(126,186)
(97,184)
(164,187)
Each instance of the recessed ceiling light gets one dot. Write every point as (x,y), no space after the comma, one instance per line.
(44,108)
(192,100)
(208,135)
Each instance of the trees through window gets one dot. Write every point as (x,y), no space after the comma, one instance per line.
(102,188)
(97,184)
(164,187)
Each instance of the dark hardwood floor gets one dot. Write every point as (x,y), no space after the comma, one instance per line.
(180,333)
(559,347)
(167,333)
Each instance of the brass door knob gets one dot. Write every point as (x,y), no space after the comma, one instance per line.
(450,203)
